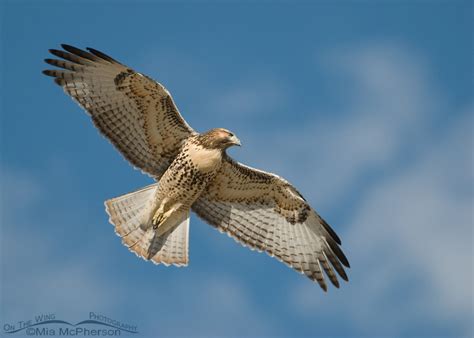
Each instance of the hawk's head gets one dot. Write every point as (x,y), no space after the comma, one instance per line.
(218,138)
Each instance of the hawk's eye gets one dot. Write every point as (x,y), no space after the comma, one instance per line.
(231,135)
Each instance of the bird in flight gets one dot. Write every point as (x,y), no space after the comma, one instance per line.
(193,173)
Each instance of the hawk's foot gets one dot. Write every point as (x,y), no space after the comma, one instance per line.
(157,220)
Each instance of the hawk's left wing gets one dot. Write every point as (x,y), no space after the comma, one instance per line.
(264,212)
(136,113)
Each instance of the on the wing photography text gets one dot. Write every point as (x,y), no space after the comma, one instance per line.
(49,324)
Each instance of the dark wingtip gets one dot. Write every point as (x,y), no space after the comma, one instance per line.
(343,274)
(66,46)
(72,49)
(101,55)
(338,251)
(330,230)
(334,281)
(56,52)
(348,265)
(342,257)
(322,284)
(78,52)
(344,260)
(59,81)
(48,72)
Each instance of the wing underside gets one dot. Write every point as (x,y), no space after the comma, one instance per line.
(135,113)
(265,213)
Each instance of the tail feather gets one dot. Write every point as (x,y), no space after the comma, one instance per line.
(172,246)
(126,214)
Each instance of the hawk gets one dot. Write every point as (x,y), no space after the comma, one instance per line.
(193,173)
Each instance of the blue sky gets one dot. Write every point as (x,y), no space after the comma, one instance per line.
(365,106)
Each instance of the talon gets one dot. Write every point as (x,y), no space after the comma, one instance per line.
(157,220)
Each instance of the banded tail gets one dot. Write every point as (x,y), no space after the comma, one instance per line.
(127,212)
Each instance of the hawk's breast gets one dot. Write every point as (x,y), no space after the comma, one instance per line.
(204,159)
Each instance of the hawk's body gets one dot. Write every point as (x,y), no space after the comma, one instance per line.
(184,181)
(258,209)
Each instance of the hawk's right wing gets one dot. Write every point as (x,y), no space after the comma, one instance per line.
(134,112)
(265,212)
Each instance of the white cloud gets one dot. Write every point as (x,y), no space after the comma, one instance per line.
(211,306)
(419,225)
(389,108)
(18,191)
(410,238)
(35,277)
(207,103)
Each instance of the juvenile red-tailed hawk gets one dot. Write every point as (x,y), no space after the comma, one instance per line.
(193,172)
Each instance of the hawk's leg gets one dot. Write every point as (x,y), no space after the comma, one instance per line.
(153,214)
(158,216)
(158,219)
(162,216)
(163,222)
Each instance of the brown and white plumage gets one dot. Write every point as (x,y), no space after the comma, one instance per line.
(134,112)
(258,209)
(125,213)
(266,213)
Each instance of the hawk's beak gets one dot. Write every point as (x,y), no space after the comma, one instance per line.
(235,141)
